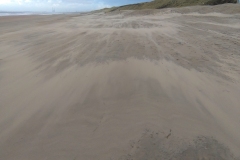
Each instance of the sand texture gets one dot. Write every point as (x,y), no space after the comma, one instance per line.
(126,85)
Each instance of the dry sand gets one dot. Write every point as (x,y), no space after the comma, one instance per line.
(152,84)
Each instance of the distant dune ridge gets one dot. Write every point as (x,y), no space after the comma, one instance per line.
(159,4)
(154,84)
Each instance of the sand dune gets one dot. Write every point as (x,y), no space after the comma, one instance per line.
(152,84)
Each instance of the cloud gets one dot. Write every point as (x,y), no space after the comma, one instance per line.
(5,2)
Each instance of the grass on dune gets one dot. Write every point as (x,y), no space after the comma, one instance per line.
(158,4)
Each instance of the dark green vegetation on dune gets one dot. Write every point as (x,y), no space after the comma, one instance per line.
(158,4)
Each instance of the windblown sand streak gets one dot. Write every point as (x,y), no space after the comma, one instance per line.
(155,84)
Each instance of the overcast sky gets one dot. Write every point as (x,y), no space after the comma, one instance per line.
(60,5)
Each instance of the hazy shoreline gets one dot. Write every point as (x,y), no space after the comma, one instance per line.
(2,13)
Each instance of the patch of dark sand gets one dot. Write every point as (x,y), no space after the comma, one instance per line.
(160,146)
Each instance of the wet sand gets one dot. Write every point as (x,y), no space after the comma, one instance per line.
(151,84)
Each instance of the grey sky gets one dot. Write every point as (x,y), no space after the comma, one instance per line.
(60,5)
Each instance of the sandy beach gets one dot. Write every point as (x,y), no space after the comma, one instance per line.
(125,85)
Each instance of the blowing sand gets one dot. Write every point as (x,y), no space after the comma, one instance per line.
(151,84)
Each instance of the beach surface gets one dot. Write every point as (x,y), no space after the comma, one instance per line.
(125,85)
